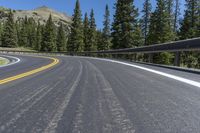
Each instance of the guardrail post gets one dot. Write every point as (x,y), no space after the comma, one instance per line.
(130,56)
(150,58)
(135,57)
(115,56)
(177,59)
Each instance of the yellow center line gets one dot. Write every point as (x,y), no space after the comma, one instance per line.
(25,74)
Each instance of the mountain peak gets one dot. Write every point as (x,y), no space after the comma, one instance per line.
(43,8)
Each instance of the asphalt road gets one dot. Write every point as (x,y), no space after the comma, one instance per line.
(81,95)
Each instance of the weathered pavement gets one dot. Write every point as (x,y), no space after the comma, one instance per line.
(82,95)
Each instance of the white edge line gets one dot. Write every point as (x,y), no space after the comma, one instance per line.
(181,79)
(17,60)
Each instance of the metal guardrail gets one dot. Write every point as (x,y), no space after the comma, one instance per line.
(177,46)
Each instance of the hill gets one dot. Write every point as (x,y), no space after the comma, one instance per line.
(40,14)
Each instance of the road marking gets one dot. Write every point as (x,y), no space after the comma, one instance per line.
(12,63)
(181,79)
(22,75)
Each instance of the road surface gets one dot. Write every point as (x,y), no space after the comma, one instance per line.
(82,95)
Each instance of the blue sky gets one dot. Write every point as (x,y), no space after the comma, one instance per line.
(67,6)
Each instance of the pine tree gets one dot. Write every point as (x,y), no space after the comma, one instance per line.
(18,28)
(189,29)
(152,34)
(106,35)
(146,19)
(138,35)
(190,22)
(170,5)
(38,37)
(86,30)
(23,33)
(92,43)
(75,42)
(31,29)
(1,32)
(176,15)
(198,21)
(49,36)
(100,41)
(125,19)
(185,28)
(160,25)
(161,30)
(9,37)
(170,17)
(61,39)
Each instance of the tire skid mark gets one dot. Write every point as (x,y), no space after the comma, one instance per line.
(58,97)
(12,93)
(155,122)
(118,113)
(21,112)
(105,115)
(78,122)
(45,110)
(107,126)
(25,99)
(51,128)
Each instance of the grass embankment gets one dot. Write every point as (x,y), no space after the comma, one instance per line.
(16,49)
(3,61)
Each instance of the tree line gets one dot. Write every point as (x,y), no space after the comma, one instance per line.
(28,33)
(128,29)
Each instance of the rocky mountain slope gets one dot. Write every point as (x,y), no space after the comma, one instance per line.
(40,14)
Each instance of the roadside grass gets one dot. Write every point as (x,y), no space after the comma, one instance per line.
(3,61)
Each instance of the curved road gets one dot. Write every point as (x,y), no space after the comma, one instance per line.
(82,95)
